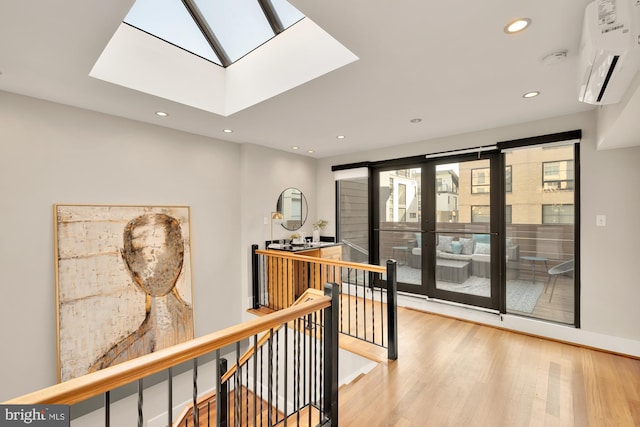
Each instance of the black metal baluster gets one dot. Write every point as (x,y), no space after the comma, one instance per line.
(196,421)
(246,393)
(270,378)
(321,385)
(392,310)
(382,322)
(264,284)
(357,304)
(312,367)
(170,395)
(349,298)
(331,355)
(286,371)
(305,343)
(277,369)
(254,358)
(237,398)
(222,393)
(255,284)
(140,417)
(261,380)
(107,409)
(373,315)
(297,381)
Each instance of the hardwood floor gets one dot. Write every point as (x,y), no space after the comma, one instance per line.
(456,373)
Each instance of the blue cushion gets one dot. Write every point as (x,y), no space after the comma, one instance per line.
(456,248)
(482,238)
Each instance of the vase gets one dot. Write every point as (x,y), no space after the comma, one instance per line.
(316,236)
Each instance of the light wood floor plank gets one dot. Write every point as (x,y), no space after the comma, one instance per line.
(456,373)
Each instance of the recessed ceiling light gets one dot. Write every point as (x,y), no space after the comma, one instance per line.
(227,130)
(340,137)
(416,120)
(517,25)
(532,94)
(310,151)
(295,147)
(161,114)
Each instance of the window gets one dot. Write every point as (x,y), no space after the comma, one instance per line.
(353,217)
(480,214)
(557,214)
(480,180)
(557,175)
(220,31)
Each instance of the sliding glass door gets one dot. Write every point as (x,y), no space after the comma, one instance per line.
(398,226)
(495,229)
(462,231)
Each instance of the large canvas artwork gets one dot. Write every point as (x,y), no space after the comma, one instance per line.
(123,280)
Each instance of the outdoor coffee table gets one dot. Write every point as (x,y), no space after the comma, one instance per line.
(449,270)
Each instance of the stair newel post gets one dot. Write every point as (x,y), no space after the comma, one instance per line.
(222,397)
(255,276)
(392,309)
(331,353)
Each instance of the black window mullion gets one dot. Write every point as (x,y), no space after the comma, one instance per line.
(272,16)
(207,32)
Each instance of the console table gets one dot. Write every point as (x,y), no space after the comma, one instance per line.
(288,279)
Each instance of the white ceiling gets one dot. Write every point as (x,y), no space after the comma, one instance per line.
(447,62)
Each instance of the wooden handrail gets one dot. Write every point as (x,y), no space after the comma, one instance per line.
(325,261)
(82,388)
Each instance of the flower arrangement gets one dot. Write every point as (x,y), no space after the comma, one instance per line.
(320,224)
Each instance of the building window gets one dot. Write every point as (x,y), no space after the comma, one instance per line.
(558,214)
(507,214)
(480,182)
(557,175)
(480,214)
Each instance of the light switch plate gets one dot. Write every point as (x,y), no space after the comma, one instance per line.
(601,220)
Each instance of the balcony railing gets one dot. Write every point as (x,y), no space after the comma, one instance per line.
(368,293)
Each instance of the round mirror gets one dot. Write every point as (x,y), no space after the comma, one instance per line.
(293,206)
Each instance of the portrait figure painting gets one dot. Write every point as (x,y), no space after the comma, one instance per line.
(123,284)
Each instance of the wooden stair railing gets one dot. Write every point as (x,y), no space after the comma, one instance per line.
(308,295)
(104,381)
(368,304)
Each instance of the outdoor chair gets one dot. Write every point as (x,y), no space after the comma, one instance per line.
(564,268)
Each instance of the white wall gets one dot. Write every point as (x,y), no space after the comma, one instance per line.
(51,153)
(610,256)
(265,174)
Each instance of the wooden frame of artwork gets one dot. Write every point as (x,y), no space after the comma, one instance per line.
(123,283)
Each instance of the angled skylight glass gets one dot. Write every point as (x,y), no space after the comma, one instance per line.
(221,31)
(170,21)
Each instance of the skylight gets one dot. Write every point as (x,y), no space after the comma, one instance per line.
(221,31)
(220,56)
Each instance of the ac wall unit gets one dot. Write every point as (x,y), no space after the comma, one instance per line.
(609,55)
